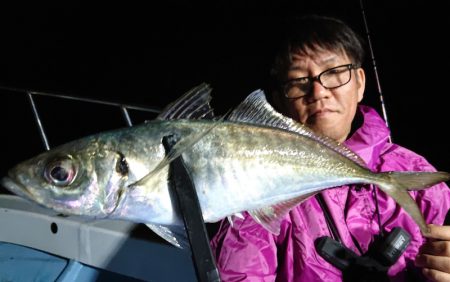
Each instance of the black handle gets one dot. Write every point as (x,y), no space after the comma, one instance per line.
(189,206)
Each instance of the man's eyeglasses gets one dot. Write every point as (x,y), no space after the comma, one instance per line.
(329,79)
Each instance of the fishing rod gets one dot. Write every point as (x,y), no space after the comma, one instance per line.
(375,69)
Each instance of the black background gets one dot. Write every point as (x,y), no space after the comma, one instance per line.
(143,53)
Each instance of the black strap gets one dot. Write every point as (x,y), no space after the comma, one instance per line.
(377,209)
(330,223)
(189,206)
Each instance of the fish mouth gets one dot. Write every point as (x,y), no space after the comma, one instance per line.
(15,187)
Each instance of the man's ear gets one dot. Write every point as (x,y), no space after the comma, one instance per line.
(361,83)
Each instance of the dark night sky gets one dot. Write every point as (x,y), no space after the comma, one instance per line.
(147,54)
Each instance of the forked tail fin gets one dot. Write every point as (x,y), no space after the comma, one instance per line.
(396,185)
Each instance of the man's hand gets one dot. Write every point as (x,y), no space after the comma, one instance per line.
(434,255)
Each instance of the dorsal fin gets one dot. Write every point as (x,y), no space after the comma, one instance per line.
(256,110)
(194,104)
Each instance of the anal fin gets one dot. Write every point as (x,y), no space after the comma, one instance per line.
(175,235)
(270,217)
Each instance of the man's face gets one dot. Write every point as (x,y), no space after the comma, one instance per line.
(326,111)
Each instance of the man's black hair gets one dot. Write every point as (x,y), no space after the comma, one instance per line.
(312,33)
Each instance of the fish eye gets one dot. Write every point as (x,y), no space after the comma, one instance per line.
(61,172)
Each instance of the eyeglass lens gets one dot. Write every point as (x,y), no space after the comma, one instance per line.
(330,79)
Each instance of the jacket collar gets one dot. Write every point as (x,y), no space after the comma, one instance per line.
(369,139)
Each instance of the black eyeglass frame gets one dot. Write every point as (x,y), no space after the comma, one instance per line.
(317,78)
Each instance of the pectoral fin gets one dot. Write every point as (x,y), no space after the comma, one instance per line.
(180,147)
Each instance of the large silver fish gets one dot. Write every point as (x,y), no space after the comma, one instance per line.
(256,160)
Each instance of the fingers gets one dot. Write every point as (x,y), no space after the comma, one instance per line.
(433,263)
(438,232)
(436,248)
(435,275)
(434,256)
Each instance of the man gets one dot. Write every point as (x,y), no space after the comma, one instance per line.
(321,83)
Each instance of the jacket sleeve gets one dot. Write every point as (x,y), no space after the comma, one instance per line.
(245,252)
(434,202)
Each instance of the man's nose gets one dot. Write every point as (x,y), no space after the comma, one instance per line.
(317,91)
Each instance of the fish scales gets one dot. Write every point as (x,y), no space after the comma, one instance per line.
(261,166)
(285,164)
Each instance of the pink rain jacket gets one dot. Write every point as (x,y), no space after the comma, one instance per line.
(247,252)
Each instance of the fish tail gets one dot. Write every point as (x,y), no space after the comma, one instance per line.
(396,185)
